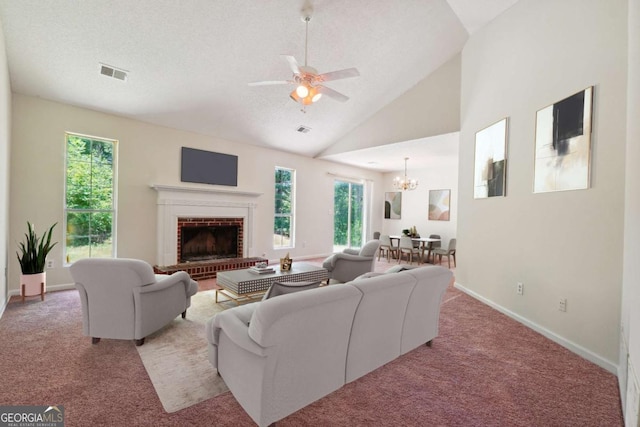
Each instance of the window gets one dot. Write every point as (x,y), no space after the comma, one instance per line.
(284,203)
(90,212)
(348,218)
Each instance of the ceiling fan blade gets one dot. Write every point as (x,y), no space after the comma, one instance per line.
(340,74)
(332,93)
(271,82)
(292,63)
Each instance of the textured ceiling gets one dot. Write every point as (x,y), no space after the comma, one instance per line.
(189,62)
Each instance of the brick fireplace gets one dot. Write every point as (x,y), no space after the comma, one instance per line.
(186,207)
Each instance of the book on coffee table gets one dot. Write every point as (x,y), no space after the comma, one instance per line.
(261,270)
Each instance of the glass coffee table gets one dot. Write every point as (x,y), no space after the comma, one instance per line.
(242,285)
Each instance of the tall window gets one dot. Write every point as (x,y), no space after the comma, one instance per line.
(348,220)
(284,202)
(90,212)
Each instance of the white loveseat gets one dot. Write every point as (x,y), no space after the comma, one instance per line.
(279,355)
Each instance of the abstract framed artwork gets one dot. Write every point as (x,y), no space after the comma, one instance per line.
(393,205)
(439,204)
(563,144)
(490,161)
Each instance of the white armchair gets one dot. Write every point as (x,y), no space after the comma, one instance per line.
(351,263)
(124,299)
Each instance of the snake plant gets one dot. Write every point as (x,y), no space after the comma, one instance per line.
(35,250)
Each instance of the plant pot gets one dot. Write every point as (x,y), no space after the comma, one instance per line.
(33,284)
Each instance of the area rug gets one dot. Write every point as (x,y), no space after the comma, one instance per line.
(176,359)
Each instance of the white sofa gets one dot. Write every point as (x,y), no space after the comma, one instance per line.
(279,355)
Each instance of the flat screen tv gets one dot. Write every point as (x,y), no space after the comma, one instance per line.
(207,167)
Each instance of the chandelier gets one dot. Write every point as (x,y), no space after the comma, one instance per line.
(405,183)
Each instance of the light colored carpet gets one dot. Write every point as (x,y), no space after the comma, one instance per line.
(176,359)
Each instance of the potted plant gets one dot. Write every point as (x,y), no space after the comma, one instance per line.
(32,258)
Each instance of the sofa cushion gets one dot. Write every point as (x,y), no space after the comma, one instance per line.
(400,268)
(282,288)
(394,269)
(423,309)
(274,319)
(377,327)
(368,275)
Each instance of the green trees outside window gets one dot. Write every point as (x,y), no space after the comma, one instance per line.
(89,197)
(283,217)
(348,212)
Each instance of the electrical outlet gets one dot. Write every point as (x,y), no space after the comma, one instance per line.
(520,288)
(50,263)
(562,305)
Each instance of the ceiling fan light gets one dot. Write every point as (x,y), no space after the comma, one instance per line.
(294,96)
(314,94)
(302,91)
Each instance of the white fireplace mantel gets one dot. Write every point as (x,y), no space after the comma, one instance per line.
(190,202)
(180,189)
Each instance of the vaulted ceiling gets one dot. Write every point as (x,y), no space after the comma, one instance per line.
(189,62)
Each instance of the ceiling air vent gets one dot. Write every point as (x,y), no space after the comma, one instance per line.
(109,71)
(303,129)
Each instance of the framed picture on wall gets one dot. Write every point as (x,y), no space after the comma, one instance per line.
(490,161)
(439,203)
(563,144)
(393,205)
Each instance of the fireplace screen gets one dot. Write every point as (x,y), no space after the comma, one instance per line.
(208,243)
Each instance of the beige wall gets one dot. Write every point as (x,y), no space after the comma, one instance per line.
(631,276)
(562,244)
(432,107)
(5,135)
(149,154)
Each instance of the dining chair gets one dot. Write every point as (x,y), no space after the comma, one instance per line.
(376,235)
(406,247)
(431,246)
(387,248)
(449,252)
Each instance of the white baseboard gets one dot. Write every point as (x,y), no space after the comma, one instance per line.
(53,288)
(575,348)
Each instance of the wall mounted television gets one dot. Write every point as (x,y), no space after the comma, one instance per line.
(207,167)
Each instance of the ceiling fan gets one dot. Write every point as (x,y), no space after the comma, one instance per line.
(309,84)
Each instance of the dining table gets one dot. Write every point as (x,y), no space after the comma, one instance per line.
(426,244)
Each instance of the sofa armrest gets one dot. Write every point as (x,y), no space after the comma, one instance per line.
(238,332)
(172,294)
(348,257)
(179,277)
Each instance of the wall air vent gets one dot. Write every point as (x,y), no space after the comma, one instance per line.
(109,71)
(303,129)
